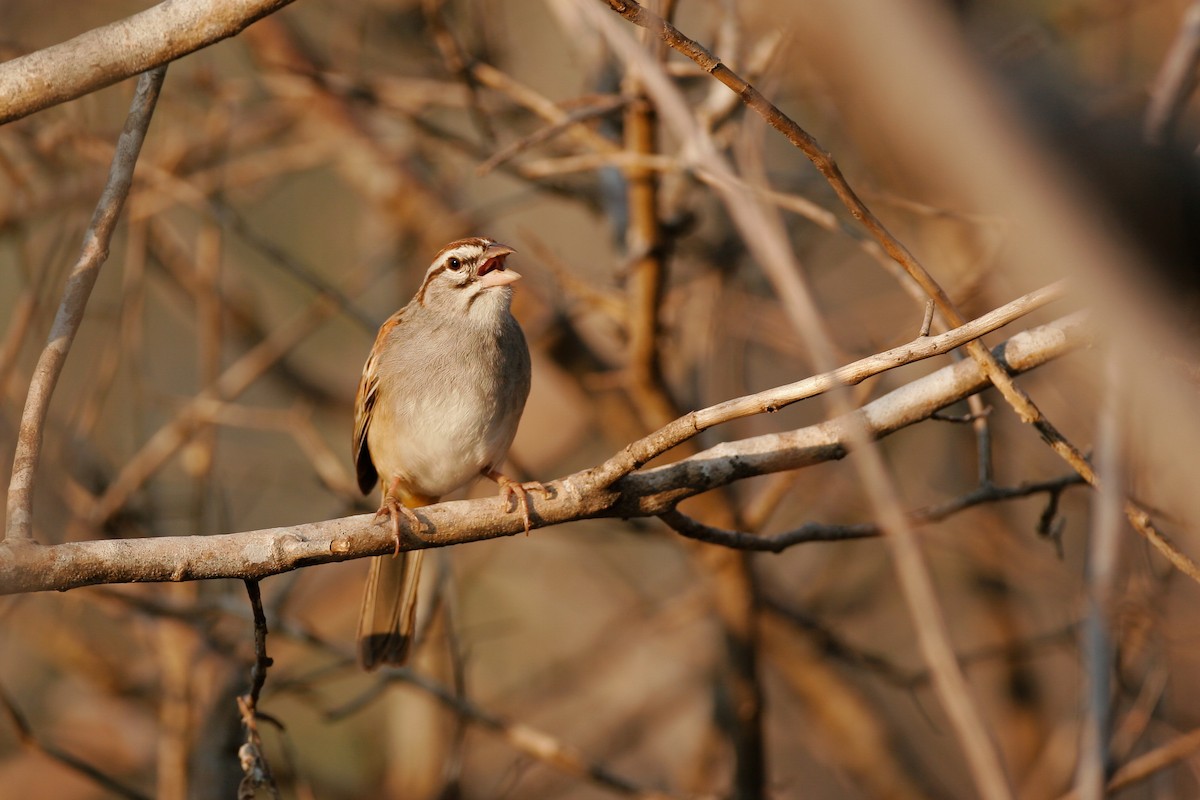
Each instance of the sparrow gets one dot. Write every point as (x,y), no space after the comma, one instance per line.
(437,408)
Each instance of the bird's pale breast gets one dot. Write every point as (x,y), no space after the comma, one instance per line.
(447,406)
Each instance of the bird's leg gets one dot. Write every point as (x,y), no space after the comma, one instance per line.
(395,509)
(515,490)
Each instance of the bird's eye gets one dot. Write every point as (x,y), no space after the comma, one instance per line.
(454,264)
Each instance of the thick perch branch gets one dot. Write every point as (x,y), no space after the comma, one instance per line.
(28,567)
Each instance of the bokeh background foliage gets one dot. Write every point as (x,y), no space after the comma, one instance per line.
(295,182)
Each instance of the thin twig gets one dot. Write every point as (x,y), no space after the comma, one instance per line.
(256,771)
(19,515)
(825,532)
(776,543)
(657,443)
(927,321)
(602,106)
(262,662)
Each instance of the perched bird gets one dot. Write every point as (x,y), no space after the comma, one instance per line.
(437,407)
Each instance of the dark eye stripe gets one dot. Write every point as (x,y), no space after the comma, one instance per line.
(454,264)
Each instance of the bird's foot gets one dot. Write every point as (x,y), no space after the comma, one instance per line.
(516,494)
(394,509)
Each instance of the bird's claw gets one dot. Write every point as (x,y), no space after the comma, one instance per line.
(394,509)
(518,493)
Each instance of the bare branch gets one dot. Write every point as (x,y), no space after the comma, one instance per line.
(824,532)
(662,440)
(19,514)
(742,540)
(27,567)
(120,50)
(255,768)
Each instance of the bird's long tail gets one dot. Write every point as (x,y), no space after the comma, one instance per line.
(388,619)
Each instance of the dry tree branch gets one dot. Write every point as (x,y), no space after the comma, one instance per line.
(981,751)
(102,56)
(818,532)
(592,493)
(634,455)
(262,662)
(600,107)
(255,768)
(19,513)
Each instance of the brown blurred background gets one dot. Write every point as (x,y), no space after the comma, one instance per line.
(327,153)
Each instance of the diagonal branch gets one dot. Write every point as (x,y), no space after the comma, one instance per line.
(19,514)
(634,455)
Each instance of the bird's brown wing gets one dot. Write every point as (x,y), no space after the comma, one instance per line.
(364,405)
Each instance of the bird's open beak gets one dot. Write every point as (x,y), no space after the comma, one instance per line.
(493,272)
